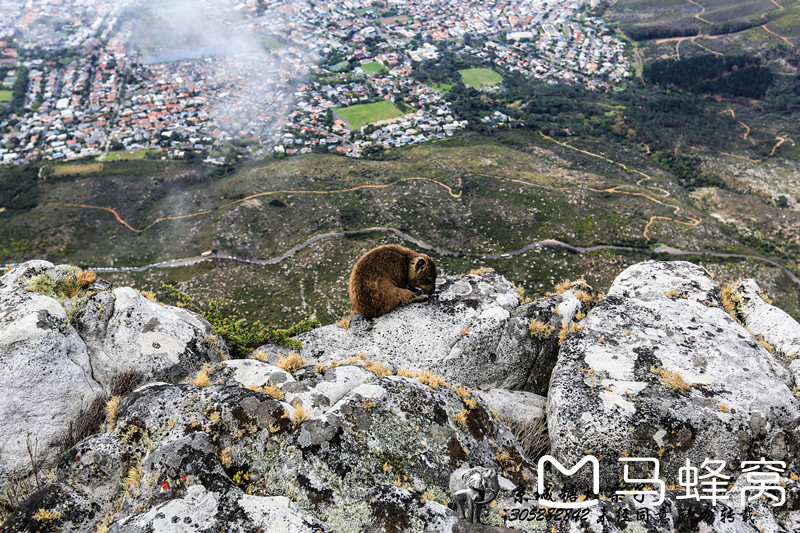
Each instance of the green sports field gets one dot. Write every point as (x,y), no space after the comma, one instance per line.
(373,67)
(480,77)
(272,43)
(362,114)
(5,96)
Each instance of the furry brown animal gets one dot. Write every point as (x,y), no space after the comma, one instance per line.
(381,277)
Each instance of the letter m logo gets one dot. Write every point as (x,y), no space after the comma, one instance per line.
(569,505)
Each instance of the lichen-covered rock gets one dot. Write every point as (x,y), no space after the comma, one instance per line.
(472,331)
(775,325)
(63,338)
(233,511)
(518,408)
(225,458)
(46,378)
(123,330)
(794,368)
(659,369)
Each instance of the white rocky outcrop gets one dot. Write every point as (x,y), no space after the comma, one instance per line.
(61,351)
(472,331)
(775,325)
(350,441)
(659,368)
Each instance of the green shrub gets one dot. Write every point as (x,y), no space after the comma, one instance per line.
(240,337)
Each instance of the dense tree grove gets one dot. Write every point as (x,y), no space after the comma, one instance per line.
(689,71)
(19,187)
(739,75)
(646,33)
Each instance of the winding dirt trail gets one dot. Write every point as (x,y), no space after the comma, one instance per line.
(691,221)
(257,195)
(746,133)
(702,10)
(613,190)
(787,41)
(651,252)
(780,140)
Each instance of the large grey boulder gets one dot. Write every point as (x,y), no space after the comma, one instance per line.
(45,382)
(63,341)
(472,331)
(659,369)
(124,331)
(230,457)
(776,326)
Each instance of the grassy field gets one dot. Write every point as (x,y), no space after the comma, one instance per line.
(480,77)
(360,115)
(5,95)
(127,156)
(373,67)
(272,43)
(443,88)
(77,169)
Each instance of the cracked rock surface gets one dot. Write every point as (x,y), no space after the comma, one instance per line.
(58,356)
(660,369)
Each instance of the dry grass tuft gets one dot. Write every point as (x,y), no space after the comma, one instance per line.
(461,418)
(732,302)
(430,380)
(134,477)
(673,380)
(259,355)
(563,286)
(273,390)
(46,515)
(533,437)
(301,414)
(86,278)
(671,293)
(481,270)
(150,295)
(112,409)
(226,457)
(379,369)
(402,372)
(539,329)
(202,378)
(344,322)
(521,292)
(767,346)
(292,363)
(563,331)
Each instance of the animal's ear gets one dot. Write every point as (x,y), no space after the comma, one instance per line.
(419,265)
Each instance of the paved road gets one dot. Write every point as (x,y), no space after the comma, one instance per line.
(425,246)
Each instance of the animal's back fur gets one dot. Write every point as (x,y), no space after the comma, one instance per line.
(380,279)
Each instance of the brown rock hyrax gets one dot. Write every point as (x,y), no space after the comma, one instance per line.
(381,277)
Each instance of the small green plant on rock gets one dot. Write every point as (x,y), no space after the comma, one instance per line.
(240,337)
